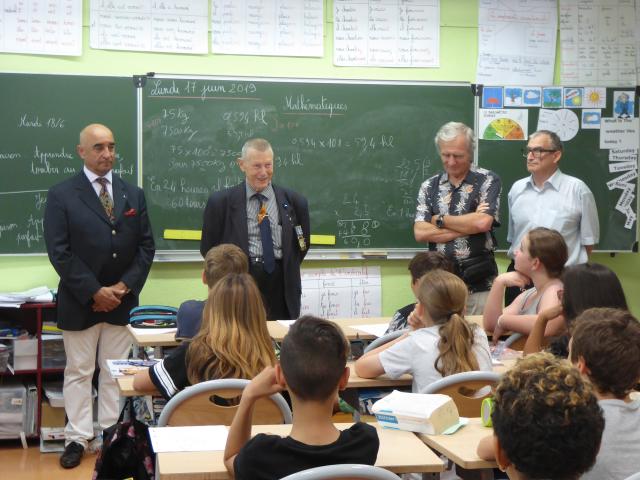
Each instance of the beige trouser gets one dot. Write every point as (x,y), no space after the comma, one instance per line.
(475,303)
(106,342)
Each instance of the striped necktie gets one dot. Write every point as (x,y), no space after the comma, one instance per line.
(105,198)
(264,224)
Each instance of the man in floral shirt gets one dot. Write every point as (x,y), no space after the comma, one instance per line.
(457,211)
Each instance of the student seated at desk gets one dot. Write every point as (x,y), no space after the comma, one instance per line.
(313,368)
(539,259)
(233,341)
(585,286)
(546,421)
(220,260)
(422,263)
(605,347)
(442,343)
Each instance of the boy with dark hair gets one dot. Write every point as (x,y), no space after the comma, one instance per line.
(546,421)
(420,264)
(220,260)
(605,347)
(313,368)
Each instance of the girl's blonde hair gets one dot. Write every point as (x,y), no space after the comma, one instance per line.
(444,296)
(233,341)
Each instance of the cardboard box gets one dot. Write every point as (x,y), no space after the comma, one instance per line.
(51,416)
(432,414)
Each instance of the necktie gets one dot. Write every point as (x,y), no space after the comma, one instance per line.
(265,235)
(105,198)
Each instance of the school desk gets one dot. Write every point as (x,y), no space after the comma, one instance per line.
(461,446)
(125,383)
(400,452)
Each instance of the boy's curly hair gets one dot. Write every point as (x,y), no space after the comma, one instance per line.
(547,418)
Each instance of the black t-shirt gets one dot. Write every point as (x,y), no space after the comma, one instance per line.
(170,375)
(271,457)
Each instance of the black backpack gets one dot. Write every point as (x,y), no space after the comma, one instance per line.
(126,449)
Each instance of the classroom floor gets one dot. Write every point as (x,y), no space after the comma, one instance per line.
(29,464)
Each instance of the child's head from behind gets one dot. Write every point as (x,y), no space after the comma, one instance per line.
(590,285)
(424,262)
(548,247)
(442,297)
(605,343)
(546,419)
(221,260)
(313,358)
(233,332)
(442,294)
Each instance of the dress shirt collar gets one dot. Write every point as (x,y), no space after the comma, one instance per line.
(267,192)
(554,180)
(92,176)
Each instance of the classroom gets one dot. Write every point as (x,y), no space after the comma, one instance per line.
(175,279)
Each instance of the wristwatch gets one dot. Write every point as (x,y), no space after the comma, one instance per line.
(440,221)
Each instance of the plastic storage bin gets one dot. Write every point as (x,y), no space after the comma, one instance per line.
(13,404)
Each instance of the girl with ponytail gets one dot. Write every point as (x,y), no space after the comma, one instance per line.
(441,341)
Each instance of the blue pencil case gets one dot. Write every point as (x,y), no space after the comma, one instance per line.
(153,316)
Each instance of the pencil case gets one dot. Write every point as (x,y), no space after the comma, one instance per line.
(153,316)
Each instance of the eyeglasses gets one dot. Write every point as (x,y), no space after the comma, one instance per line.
(537,152)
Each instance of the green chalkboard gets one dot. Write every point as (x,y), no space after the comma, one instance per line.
(42,116)
(582,158)
(358,151)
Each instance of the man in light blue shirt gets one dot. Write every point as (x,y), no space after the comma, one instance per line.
(549,198)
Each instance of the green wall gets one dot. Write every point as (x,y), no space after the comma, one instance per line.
(171,283)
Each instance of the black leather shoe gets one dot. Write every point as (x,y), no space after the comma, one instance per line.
(72,455)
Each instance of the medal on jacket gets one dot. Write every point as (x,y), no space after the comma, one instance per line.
(301,241)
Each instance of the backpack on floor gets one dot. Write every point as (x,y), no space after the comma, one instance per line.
(126,449)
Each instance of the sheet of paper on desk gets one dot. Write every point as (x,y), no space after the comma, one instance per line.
(188,439)
(376,329)
(120,368)
(154,331)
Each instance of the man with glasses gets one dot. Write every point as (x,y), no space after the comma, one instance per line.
(552,199)
(457,211)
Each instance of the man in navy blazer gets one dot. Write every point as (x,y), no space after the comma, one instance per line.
(100,243)
(235,215)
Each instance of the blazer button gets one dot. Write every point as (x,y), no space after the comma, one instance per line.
(113,232)
(115,255)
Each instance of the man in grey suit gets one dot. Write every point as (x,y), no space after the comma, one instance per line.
(100,243)
(269,223)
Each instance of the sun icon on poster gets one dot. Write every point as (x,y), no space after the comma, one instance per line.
(593,96)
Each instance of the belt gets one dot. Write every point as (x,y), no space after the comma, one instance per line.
(254,260)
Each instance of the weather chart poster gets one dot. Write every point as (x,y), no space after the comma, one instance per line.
(504,116)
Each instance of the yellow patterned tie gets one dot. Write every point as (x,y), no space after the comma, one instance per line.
(105,198)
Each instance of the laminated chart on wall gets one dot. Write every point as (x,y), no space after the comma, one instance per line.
(598,40)
(394,33)
(270,27)
(342,292)
(41,27)
(516,42)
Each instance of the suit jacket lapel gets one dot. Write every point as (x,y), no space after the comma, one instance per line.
(87,194)
(119,197)
(238,204)
(287,228)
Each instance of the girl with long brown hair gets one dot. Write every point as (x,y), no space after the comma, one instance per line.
(233,341)
(441,343)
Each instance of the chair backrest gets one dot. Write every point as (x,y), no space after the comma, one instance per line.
(466,389)
(515,341)
(384,339)
(215,402)
(348,470)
